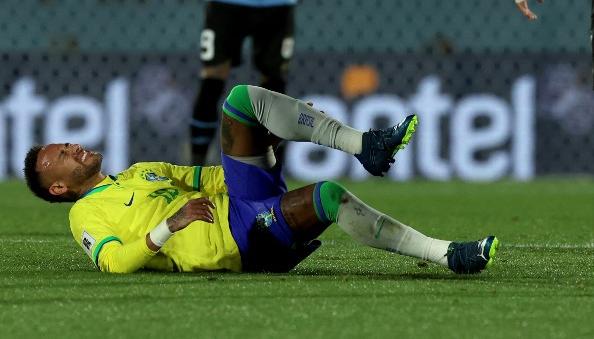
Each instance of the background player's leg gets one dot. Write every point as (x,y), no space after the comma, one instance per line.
(220,50)
(273,44)
(205,113)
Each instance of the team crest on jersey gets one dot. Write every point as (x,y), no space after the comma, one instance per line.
(87,243)
(265,219)
(152,176)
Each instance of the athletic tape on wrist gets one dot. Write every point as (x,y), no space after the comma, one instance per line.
(160,234)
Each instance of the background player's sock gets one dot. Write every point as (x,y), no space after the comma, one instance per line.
(204,117)
(370,227)
(290,119)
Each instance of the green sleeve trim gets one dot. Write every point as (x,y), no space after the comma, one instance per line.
(100,246)
(197,173)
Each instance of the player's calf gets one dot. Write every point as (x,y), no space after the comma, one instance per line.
(289,118)
(332,203)
(292,119)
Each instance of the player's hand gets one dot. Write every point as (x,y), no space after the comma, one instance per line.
(523,7)
(195,209)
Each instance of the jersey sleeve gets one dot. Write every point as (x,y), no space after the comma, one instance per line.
(91,230)
(93,233)
(212,180)
(207,179)
(125,258)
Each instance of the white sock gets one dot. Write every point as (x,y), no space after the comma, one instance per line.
(295,120)
(373,228)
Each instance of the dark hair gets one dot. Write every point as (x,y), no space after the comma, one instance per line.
(33,178)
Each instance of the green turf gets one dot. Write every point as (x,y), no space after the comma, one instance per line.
(542,284)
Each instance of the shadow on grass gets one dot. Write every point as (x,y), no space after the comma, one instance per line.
(149,278)
(407,276)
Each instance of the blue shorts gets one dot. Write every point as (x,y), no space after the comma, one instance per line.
(265,240)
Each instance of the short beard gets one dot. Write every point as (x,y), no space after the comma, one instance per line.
(81,174)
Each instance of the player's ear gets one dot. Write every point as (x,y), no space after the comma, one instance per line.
(58,188)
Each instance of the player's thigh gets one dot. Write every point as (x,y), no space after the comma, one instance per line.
(241,140)
(242,135)
(273,40)
(298,208)
(247,181)
(221,37)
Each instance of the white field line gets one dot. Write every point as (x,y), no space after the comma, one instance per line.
(29,241)
(504,245)
(552,246)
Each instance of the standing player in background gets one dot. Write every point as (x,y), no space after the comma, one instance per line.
(523,7)
(270,23)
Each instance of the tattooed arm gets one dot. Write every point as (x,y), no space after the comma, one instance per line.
(195,209)
(116,257)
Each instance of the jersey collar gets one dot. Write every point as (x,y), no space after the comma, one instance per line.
(104,184)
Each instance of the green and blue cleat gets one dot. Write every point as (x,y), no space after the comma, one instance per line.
(380,146)
(472,257)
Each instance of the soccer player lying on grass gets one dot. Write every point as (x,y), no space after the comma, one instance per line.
(238,216)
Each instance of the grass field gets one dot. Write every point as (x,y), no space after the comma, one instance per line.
(542,285)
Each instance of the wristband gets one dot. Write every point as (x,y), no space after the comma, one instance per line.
(160,234)
(519,1)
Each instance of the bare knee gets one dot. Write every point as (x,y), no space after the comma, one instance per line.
(298,209)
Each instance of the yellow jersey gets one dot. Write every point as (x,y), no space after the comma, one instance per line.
(111,220)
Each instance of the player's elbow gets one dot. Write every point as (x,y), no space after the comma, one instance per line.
(112,264)
(117,258)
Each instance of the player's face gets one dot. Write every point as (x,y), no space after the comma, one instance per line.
(67,165)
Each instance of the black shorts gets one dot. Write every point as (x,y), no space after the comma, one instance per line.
(226,26)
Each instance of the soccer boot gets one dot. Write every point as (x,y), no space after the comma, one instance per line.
(380,146)
(472,257)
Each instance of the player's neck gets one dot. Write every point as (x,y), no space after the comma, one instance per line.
(90,183)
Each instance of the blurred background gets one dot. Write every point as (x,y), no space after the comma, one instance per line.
(498,96)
